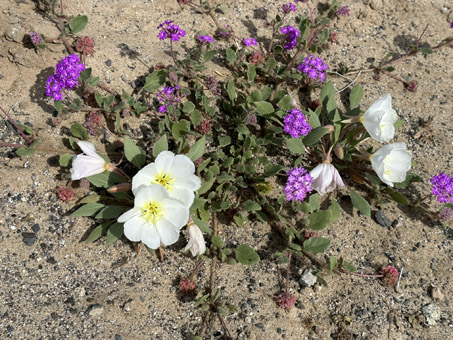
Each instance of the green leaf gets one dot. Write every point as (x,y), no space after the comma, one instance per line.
(196,117)
(88,209)
(114,233)
(98,232)
(240,218)
(348,266)
(251,72)
(230,55)
(355,97)
(111,211)
(155,80)
(108,101)
(398,123)
(314,201)
(134,153)
(250,205)
(314,136)
(264,108)
(208,56)
(160,145)
(105,179)
(188,107)
(99,99)
(295,146)
(58,105)
(397,197)
(246,255)
(78,24)
(224,140)
(316,245)
(65,159)
(319,220)
(217,241)
(426,50)
(78,130)
(231,90)
(285,102)
(90,199)
(197,150)
(332,264)
(204,227)
(335,210)
(179,129)
(24,152)
(360,203)
(86,73)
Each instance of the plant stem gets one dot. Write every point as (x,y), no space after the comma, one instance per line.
(222,321)
(17,127)
(287,272)
(360,275)
(212,14)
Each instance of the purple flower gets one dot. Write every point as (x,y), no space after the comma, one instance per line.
(442,187)
(445,215)
(66,76)
(298,184)
(286,8)
(250,42)
(168,96)
(291,36)
(169,30)
(205,39)
(451,24)
(313,67)
(296,124)
(343,11)
(226,32)
(35,38)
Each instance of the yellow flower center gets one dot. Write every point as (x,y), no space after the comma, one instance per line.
(361,119)
(152,212)
(166,180)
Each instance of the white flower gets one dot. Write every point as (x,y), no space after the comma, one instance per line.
(156,217)
(379,119)
(391,162)
(325,177)
(175,173)
(87,164)
(196,243)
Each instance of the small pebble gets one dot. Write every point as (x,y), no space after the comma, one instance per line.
(431,313)
(108,62)
(382,219)
(35,227)
(307,279)
(95,310)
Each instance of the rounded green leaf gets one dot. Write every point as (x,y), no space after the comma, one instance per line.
(246,255)
(360,203)
(319,220)
(316,245)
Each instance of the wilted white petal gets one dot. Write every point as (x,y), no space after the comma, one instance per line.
(379,119)
(325,178)
(196,243)
(88,164)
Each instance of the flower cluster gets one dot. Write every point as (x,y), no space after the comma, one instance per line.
(92,122)
(205,39)
(451,24)
(250,42)
(445,215)
(291,36)
(290,7)
(169,30)
(314,67)
(285,300)
(84,45)
(442,187)
(390,275)
(344,11)
(164,192)
(296,124)
(257,58)
(226,32)
(298,184)
(67,72)
(168,96)
(66,194)
(35,38)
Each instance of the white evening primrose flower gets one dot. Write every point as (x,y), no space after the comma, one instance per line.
(174,172)
(156,217)
(325,178)
(391,163)
(196,243)
(379,119)
(87,164)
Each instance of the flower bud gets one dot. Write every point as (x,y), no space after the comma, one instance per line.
(196,243)
(123,187)
(339,152)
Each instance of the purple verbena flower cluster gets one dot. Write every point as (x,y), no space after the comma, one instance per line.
(442,187)
(314,67)
(67,72)
(92,122)
(344,11)
(298,184)
(169,30)
(290,7)
(168,96)
(226,32)
(250,42)
(35,38)
(296,124)
(291,36)
(445,215)
(205,39)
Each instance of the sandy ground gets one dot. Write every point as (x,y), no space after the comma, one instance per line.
(57,287)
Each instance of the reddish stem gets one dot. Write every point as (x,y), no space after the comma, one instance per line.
(17,127)
(360,275)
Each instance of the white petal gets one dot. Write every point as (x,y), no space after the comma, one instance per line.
(185,195)
(337,178)
(168,232)
(183,164)
(144,176)
(89,149)
(133,228)
(144,194)
(150,237)
(176,211)
(129,215)
(85,166)
(164,161)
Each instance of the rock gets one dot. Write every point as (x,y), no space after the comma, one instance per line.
(382,219)
(117,337)
(436,293)
(29,238)
(95,310)
(431,313)
(35,227)
(307,279)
